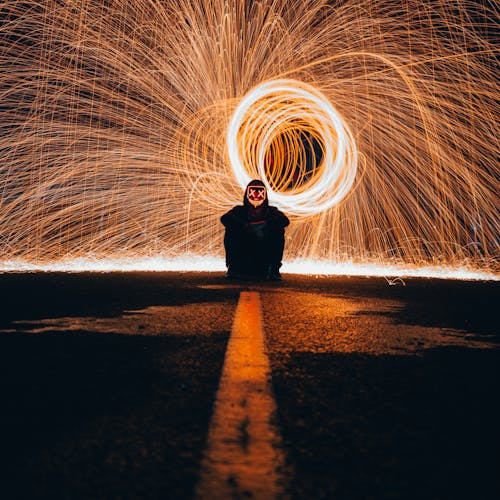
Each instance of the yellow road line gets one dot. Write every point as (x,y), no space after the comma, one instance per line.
(244,457)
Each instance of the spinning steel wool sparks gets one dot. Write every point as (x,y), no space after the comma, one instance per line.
(128,127)
(271,143)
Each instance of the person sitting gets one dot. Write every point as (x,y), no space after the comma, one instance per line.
(254,239)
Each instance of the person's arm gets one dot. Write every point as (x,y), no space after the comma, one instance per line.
(232,220)
(278,219)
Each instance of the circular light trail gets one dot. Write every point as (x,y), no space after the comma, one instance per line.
(288,134)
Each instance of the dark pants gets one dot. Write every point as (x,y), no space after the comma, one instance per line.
(251,253)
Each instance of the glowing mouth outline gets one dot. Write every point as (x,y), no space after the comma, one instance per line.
(280,101)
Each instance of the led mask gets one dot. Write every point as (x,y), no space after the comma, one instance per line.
(256,195)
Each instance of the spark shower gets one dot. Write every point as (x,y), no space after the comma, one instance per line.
(128,127)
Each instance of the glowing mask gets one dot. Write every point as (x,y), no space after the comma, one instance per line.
(256,195)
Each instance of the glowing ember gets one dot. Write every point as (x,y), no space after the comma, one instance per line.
(127,128)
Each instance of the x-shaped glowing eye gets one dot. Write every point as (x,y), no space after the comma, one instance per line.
(256,193)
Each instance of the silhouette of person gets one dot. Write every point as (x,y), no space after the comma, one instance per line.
(255,236)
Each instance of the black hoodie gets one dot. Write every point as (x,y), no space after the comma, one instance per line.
(246,215)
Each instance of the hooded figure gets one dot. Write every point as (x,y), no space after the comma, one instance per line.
(255,236)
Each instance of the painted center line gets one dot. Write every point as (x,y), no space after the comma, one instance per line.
(244,457)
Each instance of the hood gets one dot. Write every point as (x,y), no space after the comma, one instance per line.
(255,182)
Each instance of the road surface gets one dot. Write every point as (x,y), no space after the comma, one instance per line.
(156,385)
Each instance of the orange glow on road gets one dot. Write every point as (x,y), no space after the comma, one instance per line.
(201,263)
(243,455)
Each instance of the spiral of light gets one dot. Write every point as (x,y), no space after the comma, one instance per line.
(271,136)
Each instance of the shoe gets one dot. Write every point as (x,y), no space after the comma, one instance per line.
(232,275)
(273,274)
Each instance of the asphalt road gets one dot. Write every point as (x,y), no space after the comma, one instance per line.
(107,384)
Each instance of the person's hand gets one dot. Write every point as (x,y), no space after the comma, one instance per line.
(275,222)
(257,229)
(247,227)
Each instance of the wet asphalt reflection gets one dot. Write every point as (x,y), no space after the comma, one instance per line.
(108,383)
